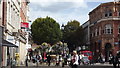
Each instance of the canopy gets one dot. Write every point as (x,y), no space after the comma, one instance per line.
(8,44)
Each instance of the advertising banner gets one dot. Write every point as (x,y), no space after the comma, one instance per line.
(24,25)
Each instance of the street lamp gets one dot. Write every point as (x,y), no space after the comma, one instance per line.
(62,27)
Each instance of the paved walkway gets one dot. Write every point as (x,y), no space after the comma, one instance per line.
(53,64)
(101,64)
(44,65)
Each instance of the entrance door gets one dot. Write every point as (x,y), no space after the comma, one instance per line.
(108,48)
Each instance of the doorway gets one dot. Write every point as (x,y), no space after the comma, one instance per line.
(108,48)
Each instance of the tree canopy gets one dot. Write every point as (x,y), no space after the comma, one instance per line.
(73,34)
(45,30)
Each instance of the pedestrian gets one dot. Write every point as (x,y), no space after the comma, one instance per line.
(114,61)
(26,60)
(57,60)
(118,56)
(49,59)
(80,57)
(37,59)
(75,59)
(110,59)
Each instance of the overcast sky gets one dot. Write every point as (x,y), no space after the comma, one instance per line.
(63,10)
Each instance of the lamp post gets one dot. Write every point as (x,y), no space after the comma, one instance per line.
(62,27)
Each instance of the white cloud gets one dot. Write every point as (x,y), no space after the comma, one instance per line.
(70,0)
(61,18)
(61,10)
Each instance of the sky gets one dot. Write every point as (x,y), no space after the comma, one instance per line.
(63,10)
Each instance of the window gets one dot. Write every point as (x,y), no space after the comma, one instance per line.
(108,29)
(110,13)
(106,14)
(99,30)
(92,34)
(96,32)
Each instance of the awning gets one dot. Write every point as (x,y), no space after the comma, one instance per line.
(8,44)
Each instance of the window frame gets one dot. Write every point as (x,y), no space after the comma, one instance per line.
(108,29)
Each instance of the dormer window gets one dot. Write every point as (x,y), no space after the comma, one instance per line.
(110,13)
(106,14)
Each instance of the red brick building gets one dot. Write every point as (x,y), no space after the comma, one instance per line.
(105,29)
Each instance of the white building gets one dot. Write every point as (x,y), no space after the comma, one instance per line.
(11,11)
(10,18)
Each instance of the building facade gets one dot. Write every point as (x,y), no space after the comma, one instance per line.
(86,28)
(0,34)
(24,25)
(13,38)
(10,22)
(105,29)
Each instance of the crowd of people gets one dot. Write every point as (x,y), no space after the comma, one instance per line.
(113,59)
(73,60)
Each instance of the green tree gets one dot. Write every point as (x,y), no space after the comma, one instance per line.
(73,34)
(45,30)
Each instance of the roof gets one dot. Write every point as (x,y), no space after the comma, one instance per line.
(8,44)
(102,5)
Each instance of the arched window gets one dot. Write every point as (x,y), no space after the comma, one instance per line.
(108,13)
(108,29)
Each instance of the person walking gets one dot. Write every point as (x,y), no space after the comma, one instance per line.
(75,59)
(37,59)
(118,57)
(48,59)
(26,60)
(57,60)
(114,61)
